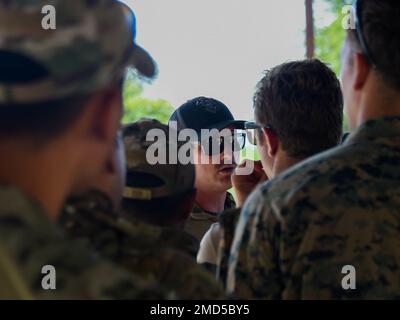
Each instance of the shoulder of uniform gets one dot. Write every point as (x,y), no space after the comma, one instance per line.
(311,170)
(313,175)
(17,205)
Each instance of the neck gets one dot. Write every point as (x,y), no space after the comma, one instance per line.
(211,201)
(43,175)
(282,163)
(378,102)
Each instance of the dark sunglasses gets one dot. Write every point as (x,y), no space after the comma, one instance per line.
(251,128)
(217,144)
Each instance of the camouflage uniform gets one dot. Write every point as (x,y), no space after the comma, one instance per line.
(200,221)
(90,48)
(338,208)
(176,179)
(138,247)
(169,237)
(228,221)
(32,241)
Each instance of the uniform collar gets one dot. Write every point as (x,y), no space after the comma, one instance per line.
(388,127)
(197,211)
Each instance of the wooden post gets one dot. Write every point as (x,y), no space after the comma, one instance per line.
(309,29)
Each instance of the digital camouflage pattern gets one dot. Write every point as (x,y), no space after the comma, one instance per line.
(89,49)
(227,221)
(29,241)
(139,141)
(138,247)
(339,208)
(200,220)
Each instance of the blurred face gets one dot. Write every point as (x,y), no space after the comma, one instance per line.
(213,172)
(96,141)
(347,80)
(112,180)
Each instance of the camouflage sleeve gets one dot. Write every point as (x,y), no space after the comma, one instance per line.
(200,284)
(253,268)
(178,272)
(78,273)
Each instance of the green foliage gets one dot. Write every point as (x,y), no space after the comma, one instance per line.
(137,106)
(250,152)
(329,40)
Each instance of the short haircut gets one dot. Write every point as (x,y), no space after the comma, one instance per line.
(381,30)
(302,102)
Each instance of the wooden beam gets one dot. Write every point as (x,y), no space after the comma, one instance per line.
(310,45)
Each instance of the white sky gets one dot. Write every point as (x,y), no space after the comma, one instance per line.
(219,48)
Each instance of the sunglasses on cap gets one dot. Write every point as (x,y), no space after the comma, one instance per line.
(215,145)
(251,128)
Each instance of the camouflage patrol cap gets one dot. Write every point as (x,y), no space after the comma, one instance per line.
(146,181)
(88,45)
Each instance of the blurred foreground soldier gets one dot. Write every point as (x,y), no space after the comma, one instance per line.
(158,194)
(60,109)
(156,253)
(294,104)
(13,285)
(329,227)
(214,161)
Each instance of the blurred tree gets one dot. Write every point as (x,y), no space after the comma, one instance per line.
(329,40)
(137,106)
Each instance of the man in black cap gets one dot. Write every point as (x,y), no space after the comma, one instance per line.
(214,158)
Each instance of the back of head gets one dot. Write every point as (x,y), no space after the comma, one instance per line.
(159,189)
(378,37)
(302,103)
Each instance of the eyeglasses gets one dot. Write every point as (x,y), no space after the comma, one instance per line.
(218,144)
(251,128)
(360,33)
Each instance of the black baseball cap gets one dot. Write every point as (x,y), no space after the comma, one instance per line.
(204,113)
